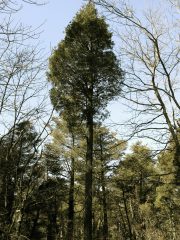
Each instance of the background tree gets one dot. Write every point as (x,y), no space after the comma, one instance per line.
(151,45)
(108,151)
(21,68)
(59,152)
(64,153)
(18,161)
(135,186)
(167,194)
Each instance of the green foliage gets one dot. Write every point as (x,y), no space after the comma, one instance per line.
(83,68)
(18,162)
(168,194)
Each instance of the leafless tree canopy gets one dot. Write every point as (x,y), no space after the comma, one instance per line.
(22,66)
(11,6)
(149,46)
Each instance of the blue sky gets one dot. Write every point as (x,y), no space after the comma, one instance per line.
(55,16)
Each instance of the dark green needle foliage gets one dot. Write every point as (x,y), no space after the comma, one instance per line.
(83,69)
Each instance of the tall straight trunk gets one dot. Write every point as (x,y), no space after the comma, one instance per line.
(52,226)
(88,181)
(8,192)
(122,229)
(127,216)
(34,226)
(105,215)
(70,227)
(176,163)
(62,225)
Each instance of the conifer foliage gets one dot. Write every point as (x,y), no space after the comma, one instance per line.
(85,75)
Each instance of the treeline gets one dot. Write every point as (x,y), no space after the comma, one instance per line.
(82,181)
(42,195)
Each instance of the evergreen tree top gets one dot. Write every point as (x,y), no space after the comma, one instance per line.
(84,70)
(87,12)
(88,21)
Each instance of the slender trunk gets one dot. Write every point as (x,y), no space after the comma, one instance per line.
(62,230)
(121,224)
(174,135)
(52,226)
(34,227)
(8,193)
(176,164)
(141,196)
(88,181)
(105,216)
(127,216)
(70,227)
(95,231)
(20,220)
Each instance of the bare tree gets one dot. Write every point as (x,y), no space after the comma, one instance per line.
(150,50)
(175,3)
(23,98)
(23,92)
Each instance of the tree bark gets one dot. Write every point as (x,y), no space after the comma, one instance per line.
(88,180)
(176,163)
(52,226)
(34,227)
(70,227)
(127,216)
(105,216)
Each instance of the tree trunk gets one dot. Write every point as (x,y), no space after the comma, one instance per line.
(105,216)
(70,227)
(34,226)
(52,226)
(88,181)
(127,216)
(176,164)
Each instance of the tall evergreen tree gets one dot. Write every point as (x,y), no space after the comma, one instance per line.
(85,75)
(168,193)
(108,151)
(64,145)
